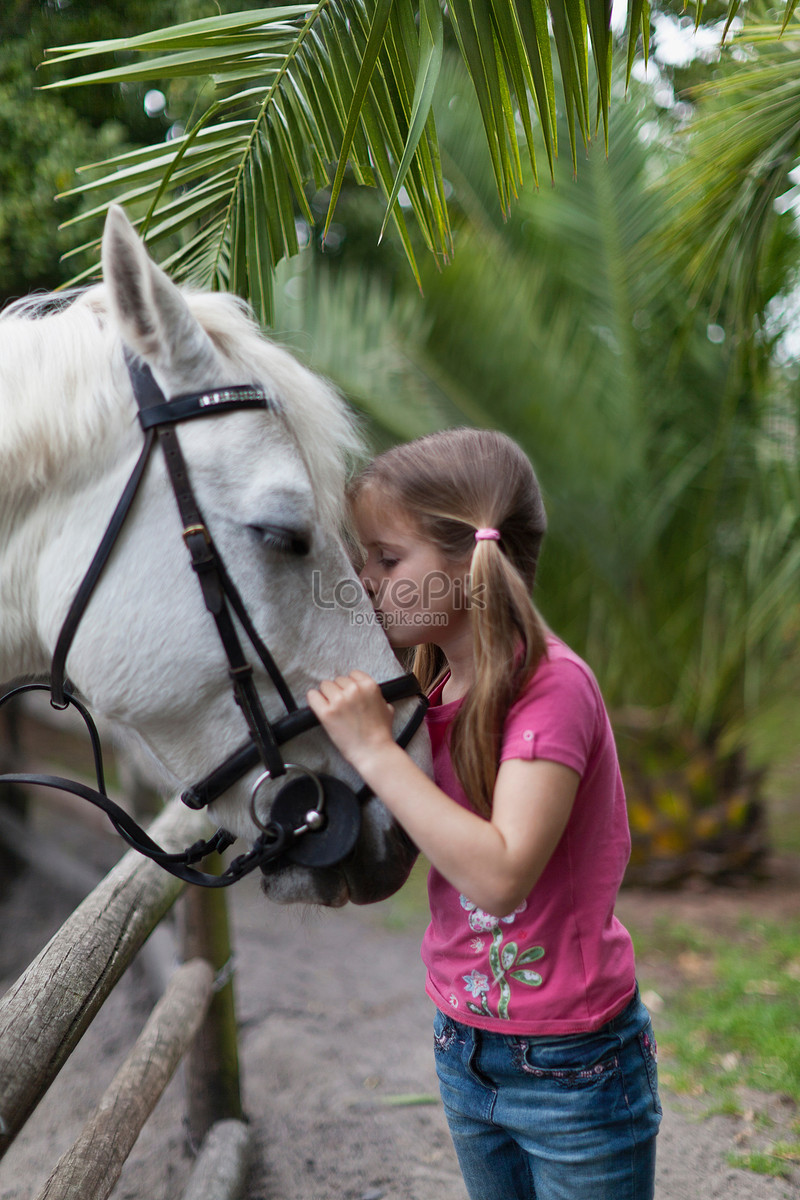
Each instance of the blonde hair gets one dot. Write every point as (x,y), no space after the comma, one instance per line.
(450,484)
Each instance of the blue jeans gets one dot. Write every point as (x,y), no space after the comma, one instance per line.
(553,1118)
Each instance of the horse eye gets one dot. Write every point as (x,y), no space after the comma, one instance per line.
(284,539)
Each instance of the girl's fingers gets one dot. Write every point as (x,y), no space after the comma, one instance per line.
(315,700)
(332,689)
(344,690)
(361,677)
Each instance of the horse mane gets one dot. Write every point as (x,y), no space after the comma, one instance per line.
(63,405)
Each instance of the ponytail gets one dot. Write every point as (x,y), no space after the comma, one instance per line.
(509,641)
(454,485)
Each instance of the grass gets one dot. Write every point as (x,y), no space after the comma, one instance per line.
(780,1161)
(738,1019)
(729,1029)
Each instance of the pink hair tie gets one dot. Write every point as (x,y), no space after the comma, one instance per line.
(485,535)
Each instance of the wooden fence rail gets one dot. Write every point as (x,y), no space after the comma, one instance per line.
(46,1012)
(93,1165)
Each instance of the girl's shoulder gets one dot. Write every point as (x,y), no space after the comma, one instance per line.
(561,668)
(560,703)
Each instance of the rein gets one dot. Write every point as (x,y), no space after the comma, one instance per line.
(315,819)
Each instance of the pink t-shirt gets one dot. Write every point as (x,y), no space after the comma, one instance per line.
(561,963)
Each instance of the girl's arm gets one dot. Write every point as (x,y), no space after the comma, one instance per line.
(495,863)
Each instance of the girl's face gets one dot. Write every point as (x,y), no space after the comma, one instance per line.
(419,596)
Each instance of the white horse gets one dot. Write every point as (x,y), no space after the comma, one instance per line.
(146,656)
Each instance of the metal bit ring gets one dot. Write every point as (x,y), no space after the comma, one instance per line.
(313,817)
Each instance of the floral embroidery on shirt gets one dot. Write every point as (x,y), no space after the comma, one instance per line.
(476,983)
(483,922)
(454,999)
(507,962)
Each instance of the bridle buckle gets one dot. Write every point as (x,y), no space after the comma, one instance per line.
(191,530)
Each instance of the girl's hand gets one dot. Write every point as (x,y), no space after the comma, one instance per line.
(354,714)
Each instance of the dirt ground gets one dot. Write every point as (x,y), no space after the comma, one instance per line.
(336,1058)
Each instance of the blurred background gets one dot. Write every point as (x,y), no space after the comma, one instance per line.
(634,324)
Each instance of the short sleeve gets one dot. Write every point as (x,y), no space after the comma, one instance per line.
(556,717)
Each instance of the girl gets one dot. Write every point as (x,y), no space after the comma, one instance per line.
(544,1051)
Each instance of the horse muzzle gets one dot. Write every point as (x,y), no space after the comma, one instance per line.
(364,877)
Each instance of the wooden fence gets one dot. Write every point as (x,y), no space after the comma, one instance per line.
(46,1012)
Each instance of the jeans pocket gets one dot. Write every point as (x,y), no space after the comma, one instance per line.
(571,1069)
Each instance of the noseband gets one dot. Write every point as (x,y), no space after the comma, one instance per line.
(315,818)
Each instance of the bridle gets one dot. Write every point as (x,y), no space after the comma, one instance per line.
(315,818)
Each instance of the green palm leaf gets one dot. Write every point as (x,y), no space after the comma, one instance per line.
(302,95)
(294,90)
(740,148)
(430,61)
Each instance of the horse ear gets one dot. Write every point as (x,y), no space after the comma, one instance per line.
(152,314)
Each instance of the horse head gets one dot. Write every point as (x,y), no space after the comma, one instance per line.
(270,484)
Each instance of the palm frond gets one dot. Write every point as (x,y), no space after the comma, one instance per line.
(738,152)
(296,90)
(304,94)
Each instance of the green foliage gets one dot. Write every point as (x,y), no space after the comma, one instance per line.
(346,82)
(299,89)
(44,136)
(732,170)
(779,1160)
(36,157)
(350,328)
(290,87)
(730,1020)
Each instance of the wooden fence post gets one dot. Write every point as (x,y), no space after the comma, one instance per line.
(211,1067)
(46,1012)
(220,1172)
(93,1165)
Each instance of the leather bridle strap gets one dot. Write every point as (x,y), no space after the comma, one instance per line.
(155,412)
(269,846)
(245,758)
(87,586)
(206,564)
